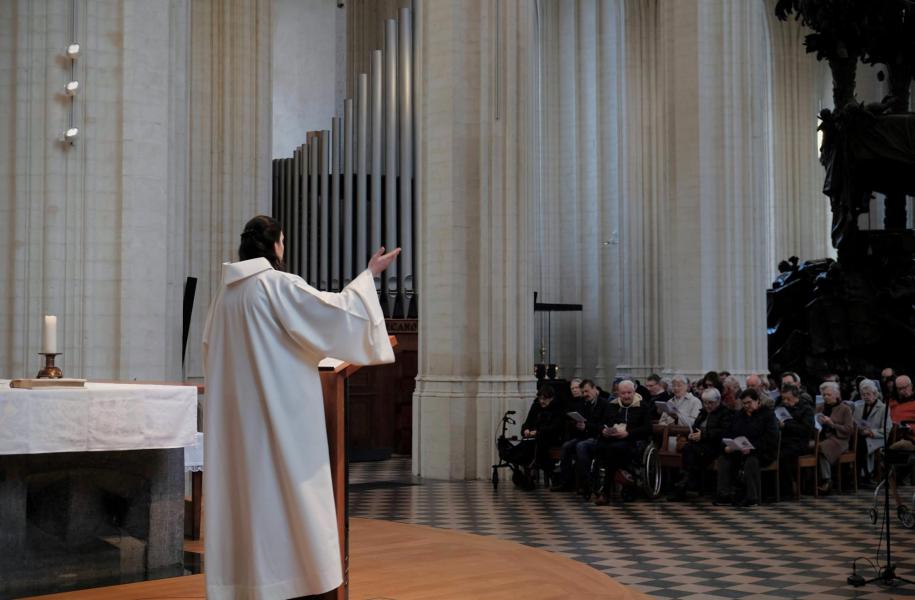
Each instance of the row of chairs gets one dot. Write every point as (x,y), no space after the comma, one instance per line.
(670,458)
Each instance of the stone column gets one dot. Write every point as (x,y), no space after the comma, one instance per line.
(801,217)
(715,216)
(87,227)
(646,189)
(475,180)
(230,140)
(577,234)
(172,156)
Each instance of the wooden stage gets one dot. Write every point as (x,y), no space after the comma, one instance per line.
(397,561)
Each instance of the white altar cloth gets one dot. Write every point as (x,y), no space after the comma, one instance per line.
(99,417)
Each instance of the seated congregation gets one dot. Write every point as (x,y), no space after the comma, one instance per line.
(713,437)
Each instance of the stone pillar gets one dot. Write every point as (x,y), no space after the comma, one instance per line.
(801,217)
(645,190)
(475,180)
(715,216)
(576,242)
(87,228)
(230,140)
(172,156)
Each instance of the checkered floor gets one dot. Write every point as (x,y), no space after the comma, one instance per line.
(667,550)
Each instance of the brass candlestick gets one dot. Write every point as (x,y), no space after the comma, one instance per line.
(49,371)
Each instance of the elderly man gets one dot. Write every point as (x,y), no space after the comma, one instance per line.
(902,408)
(581,447)
(797,431)
(792,378)
(704,444)
(888,384)
(761,384)
(627,422)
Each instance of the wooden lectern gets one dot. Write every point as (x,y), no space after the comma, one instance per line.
(333,384)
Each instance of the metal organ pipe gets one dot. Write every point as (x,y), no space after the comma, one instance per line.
(362,222)
(348,190)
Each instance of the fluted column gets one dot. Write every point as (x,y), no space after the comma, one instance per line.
(801,217)
(475,179)
(87,228)
(230,139)
(646,188)
(578,229)
(715,217)
(172,156)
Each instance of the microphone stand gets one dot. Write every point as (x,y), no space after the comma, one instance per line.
(887,575)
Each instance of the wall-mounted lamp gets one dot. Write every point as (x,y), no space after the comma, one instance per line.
(70,135)
(73,51)
(72,87)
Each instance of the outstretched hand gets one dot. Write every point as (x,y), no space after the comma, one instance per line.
(381,261)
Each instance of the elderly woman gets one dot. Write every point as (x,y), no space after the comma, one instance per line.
(687,405)
(836,422)
(870,418)
(704,444)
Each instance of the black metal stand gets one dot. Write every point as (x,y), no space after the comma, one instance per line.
(887,575)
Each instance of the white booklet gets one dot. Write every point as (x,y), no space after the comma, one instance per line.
(782,414)
(862,424)
(577,416)
(667,408)
(738,443)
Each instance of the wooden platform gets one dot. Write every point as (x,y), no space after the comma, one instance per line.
(396,561)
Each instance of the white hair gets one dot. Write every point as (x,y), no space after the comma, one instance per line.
(681,378)
(575,381)
(629,381)
(870,384)
(711,394)
(830,385)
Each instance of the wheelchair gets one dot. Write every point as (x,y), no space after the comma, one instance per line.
(642,476)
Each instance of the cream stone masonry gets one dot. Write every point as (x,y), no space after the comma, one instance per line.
(715,217)
(801,216)
(475,180)
(173,154)
(578,231)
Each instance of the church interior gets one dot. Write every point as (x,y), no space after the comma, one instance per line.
(653,316)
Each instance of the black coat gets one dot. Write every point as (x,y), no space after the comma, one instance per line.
(761,428)
(717,424)
(798,430)
(548,422)
(594,412)
(636,416)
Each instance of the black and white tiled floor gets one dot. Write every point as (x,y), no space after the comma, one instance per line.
(668,550)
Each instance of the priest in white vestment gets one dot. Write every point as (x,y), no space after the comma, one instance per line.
(271,528)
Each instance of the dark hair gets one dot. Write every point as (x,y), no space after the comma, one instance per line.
(258,239)
(585,382)
(654,377)
(712,379)
(546,392)
(750,393)
(794,376)
(790,388)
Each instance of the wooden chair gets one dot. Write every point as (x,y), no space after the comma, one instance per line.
(773,467)
(808,461)
(850,457)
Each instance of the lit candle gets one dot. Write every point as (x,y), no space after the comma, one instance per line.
(49,335)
